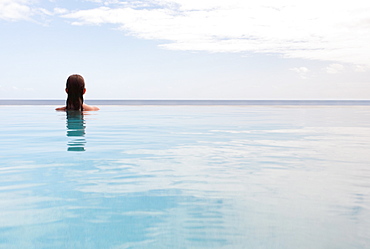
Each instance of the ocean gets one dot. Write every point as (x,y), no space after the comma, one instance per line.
(190,102)
(185,174)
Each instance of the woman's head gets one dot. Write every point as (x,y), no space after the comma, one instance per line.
(75,89)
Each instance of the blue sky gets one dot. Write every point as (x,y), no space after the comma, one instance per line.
(186,49)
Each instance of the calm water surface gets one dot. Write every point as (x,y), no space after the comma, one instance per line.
(185,177)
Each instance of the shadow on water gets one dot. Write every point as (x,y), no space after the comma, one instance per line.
(76,131)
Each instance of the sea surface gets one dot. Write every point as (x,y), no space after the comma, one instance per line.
(200,175)
(192,102)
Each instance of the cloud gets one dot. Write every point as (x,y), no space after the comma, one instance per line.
(18,10)
(14,10)
(315,30)
(360,68)
(302,71)
(334,68)
(7,89)
(59,11)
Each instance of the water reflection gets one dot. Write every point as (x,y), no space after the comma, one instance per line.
(76,131)
(214,178)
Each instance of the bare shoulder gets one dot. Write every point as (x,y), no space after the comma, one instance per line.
(61,108)
(90,108)
(85,108)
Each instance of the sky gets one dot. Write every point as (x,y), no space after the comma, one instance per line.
(186,49)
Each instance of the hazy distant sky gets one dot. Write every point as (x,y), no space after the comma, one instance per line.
(186,49)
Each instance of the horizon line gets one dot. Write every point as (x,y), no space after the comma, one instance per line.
(187,102)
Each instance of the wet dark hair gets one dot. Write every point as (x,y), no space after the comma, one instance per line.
(75,87)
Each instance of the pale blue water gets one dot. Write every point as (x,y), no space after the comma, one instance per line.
(185,177)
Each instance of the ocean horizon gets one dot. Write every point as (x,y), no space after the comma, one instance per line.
(188,102)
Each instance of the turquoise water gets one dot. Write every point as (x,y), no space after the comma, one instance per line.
(185,177)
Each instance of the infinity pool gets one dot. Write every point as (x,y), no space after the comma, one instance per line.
(283,177)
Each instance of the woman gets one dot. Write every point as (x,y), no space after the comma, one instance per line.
(75,89)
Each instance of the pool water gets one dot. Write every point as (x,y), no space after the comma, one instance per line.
(185,177)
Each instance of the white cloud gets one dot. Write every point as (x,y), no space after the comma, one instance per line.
(13,10)
(105,2)
(60,11)
(319,30)
(302,71)
(360,68)
(16,10)
(334,68)
(7,89)
(316,30)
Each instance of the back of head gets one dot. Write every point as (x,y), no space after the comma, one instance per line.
(75,88)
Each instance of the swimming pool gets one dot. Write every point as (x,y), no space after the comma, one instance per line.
(185,177)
